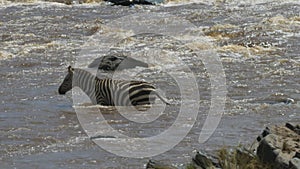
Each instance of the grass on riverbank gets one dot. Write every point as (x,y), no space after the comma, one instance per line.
(238,158)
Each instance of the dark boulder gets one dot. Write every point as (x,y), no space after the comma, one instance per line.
(293,127)
(133,2)
(116,62)
(158,165)
(276,98)
(265,132)
(280,146)
(294,163)
(202,160)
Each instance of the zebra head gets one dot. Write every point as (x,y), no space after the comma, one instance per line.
(67,83)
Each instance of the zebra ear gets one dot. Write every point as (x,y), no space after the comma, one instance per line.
(70,69)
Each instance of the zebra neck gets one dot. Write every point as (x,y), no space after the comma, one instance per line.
(87,82)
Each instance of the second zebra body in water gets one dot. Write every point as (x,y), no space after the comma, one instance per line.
(110,92)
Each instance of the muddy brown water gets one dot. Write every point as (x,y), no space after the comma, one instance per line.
(258,45)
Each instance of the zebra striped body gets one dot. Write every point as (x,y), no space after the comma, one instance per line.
(108,91)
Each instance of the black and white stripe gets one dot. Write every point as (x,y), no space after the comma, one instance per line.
(108,91)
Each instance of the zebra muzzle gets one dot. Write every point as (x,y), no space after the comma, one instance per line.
(61,92)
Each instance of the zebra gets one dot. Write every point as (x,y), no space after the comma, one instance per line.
(110,92)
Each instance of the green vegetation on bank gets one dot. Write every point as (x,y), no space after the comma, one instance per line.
(238,159)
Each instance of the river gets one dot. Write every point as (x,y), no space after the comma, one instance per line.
(257,45)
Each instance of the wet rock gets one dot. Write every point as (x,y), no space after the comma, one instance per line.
(279,146)
(294,163)
(133,2)
(101,137)
(263,134)
(203,161)
(297,155)
(279,101)
(158,165)
(267,145)
(276,98)
(116,62)
(295,128)
(288,101)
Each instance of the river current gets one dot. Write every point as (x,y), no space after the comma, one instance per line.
(256,43)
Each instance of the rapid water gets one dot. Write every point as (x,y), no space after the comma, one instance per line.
(258,45)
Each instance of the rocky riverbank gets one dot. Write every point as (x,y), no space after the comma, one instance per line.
(277,147)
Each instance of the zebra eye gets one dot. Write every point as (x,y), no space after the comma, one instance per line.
(113,58)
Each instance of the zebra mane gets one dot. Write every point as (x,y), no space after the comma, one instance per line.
(83,72)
